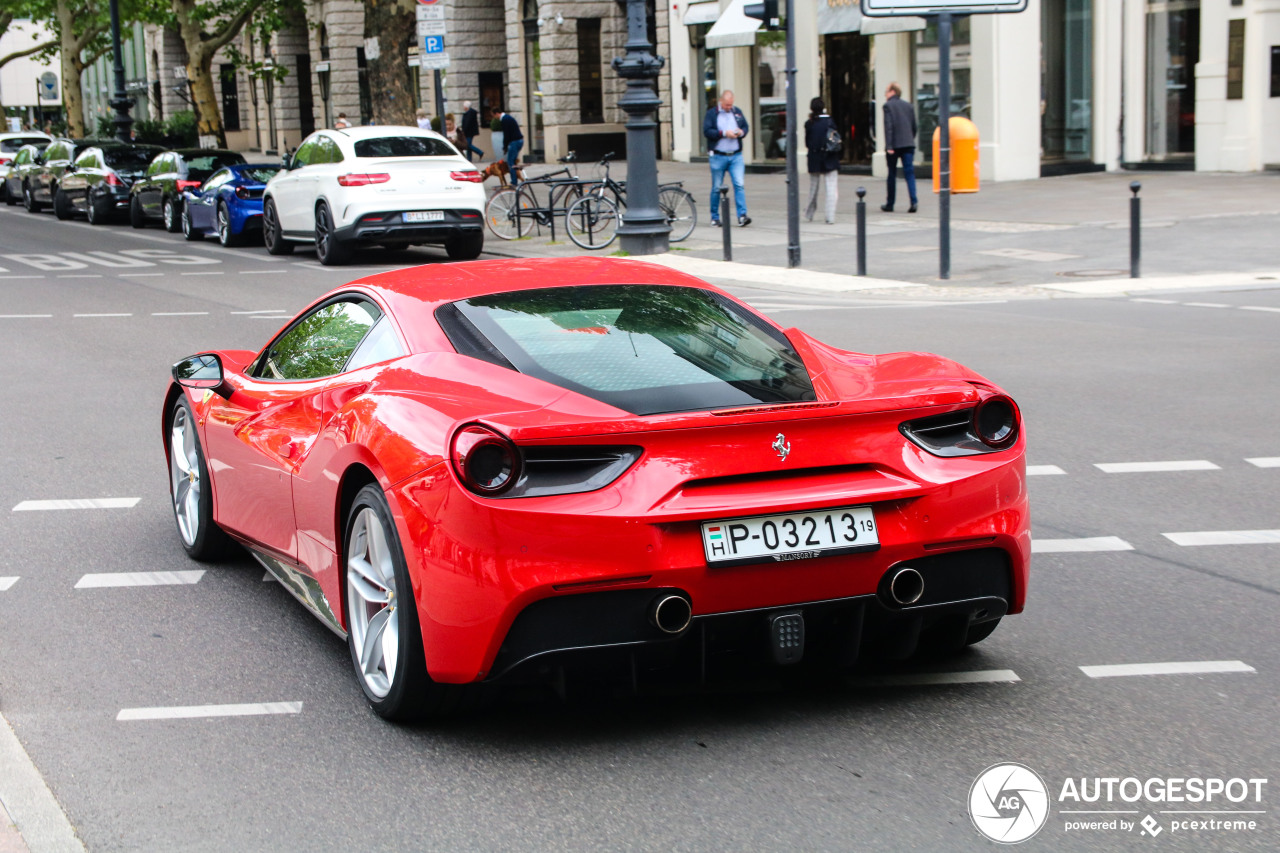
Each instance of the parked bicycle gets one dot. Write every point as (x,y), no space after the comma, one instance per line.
(592,221)
(514,212)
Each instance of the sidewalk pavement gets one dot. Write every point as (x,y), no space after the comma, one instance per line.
(1064,236)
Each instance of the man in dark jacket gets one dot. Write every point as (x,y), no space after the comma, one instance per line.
(899,142)
(725,127)
(514,140)
(470,129)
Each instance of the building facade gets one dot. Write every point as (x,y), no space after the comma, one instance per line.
(21,97)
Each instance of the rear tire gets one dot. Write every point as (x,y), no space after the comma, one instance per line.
(169,213)
(97,212)
(29,199)
(466,247)
(330,251)
(5,194)
(272,235)
(226,236)
(137,216)
(189,231)
(62,206)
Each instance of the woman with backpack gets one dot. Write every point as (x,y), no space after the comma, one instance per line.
(824,143)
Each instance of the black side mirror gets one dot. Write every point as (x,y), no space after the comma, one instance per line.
(203,372)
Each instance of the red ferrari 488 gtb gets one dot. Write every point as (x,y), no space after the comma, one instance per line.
(506,469)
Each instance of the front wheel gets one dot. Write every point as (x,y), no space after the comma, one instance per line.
(29,199)
(272,235)
(330,250)
(592,222)
(201,536)
(503,216)
(188,230)
(62,206)
(137,216)
(169,213)
(682,214)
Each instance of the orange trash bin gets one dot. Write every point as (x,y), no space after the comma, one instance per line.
(964,156)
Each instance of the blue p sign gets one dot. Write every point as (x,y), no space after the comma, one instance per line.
(433,44)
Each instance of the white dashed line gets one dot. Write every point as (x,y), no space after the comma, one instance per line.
(203,273)
(1206,305)
(16,277)
(270,317)
(1265,461)
(112,579)
(197,711)
(260,311)
(985,676)
(263,272)
(25,316)
(1043,470)
(178,313)
(1157,301)
(1066,546)
(139,275)
(1259,308)
(7,583)
(1225,537)
(81,275)
(1195,667)
(1149,467)
(101,315)
(78,503)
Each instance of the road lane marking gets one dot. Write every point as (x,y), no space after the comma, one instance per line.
(1027,255)
(24,316)
(140,275)
(1265,461)
(1225,537)
(1206,305)
(985,676)
(263,272)
(179,313)
(1258,308)
(114,579)
(101,315)
(1066,546)
(261,311)
(1043,470)
(93,275)
(197,711)
(12,277)
(78,503)
(7,583)
(1194,667)
(1157,301)
(219,272)
(1148,467)
(28,800)
(270,317)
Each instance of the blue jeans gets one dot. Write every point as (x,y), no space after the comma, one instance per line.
(513,154)
(472,148)
(731,163)
(908,171)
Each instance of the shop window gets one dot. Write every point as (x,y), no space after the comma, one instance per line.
(926,80)
(1235,59)
(1173,49)
(1066,79)
(590,79)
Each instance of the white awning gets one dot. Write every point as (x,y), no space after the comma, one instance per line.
(701,13)
(733,28)
(838,16)
(902,24)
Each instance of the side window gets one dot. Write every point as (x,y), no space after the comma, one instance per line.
(306,154)
(86,160)
(378,346)
(319,344)
(335,153)
(154,166)
(218,179)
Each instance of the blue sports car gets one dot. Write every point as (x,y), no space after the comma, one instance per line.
(228,204)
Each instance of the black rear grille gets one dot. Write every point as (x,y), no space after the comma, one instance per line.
(949,434)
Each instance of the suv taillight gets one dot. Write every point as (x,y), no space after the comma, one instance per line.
(363,180)
(113,180)
(470,176)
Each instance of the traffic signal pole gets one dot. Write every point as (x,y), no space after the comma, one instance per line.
(793,167)
(944,146)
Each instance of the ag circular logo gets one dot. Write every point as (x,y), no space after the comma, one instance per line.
(1008,803)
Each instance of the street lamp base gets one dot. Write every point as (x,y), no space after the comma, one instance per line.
(645,242)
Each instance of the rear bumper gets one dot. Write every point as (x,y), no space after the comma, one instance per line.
(389,226)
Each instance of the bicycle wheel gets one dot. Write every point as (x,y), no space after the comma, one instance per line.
(563,197)
(682,214)
(592,222)
(504,217)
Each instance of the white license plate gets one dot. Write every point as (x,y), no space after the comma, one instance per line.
(424,216)
(793,536)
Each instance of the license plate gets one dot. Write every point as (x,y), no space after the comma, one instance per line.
(792,536)
(424,216)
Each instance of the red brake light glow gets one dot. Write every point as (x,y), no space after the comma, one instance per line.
(486,461)
(363,180)
(187,185)
(113,180)
(470,175)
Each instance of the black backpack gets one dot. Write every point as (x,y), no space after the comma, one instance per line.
(834,142)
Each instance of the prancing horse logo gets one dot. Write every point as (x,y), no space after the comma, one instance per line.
(782,446)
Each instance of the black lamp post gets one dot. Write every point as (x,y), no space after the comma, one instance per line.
(269,90)
(120,101)
(645,227)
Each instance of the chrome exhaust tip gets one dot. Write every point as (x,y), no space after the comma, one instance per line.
(906,586)
(671,613)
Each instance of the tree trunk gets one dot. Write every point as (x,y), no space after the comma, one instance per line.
(70,49)
(391,25)
(208,116)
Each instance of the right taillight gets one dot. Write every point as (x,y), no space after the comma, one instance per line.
(995,421)
(363,180)
(486,461)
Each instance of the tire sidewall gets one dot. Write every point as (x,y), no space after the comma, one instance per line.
(209,540)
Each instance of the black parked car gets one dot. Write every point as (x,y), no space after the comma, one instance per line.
(97,183)
(41,183)
(15,171)
(158,193)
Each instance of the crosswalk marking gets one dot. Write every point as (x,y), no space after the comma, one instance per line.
(986,676)
(1147,467)
(78,503)
(196,711)
(1066,546)
(1043,470)
(114,579)
(1265,461)
(1225,537)
(7,583)
(1173,668)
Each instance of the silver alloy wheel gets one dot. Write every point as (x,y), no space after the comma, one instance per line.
(371,602)
(184,475)
(166,213)
(224,227)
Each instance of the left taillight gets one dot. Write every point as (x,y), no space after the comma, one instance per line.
(470,176)
(487,462)
(113,180)
(188,185)
(363,179)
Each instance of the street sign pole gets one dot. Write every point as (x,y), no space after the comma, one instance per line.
(439,90)
(793,163)
(944,148)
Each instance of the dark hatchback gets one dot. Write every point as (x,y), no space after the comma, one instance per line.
(158,193)
(13,173)
(42,179)
(97,183)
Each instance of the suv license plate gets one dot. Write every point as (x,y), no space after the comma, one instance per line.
(792,536)
(424,216)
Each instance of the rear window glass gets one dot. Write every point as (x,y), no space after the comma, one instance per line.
(13,143)
(199,168)
(404,146)
(258,174)
(128,158)
(646,349)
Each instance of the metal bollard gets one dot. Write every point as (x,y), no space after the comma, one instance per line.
(1135,231)
(862,231)
(725,223)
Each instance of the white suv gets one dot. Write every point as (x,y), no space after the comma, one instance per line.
(392,186)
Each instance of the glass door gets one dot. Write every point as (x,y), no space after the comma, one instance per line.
(1173,49)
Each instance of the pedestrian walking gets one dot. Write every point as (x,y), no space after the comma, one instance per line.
(899,143)
(824,144)
(452,133)
(725,127)
(470,130)
(342,122)
(514,141)
(424,122)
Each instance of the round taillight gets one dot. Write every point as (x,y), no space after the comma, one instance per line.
(995,421)
(486,462)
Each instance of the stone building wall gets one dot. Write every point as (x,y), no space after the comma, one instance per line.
(476,42)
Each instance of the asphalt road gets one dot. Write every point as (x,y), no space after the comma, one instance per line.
(887,764)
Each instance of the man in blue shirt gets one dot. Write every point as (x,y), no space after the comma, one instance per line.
(514,140)
(725,127)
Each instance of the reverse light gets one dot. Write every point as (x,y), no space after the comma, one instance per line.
(486,461)
(363,180)
(470,176)
(995,421)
